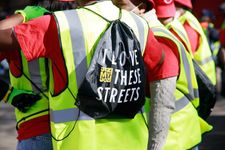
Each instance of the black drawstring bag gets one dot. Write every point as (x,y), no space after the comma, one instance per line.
(207,92)
(115,81)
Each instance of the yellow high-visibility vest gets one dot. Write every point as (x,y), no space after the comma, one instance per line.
(186,127)
(37,72)
(70,127)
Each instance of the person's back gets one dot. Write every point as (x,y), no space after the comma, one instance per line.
(199,44)
(99,131)
(186,86)
(70,55)
(212,34)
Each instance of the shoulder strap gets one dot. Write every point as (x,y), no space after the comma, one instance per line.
(120,14)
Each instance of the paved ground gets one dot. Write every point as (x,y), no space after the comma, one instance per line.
(7,128)
(215,140)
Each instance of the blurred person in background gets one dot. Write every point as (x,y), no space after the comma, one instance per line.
(221,53)
(210,31)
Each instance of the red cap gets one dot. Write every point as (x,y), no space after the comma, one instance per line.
(165,8)
(186,3)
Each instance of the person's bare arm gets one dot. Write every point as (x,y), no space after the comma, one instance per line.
(8,40)
(11,21)
(162,106)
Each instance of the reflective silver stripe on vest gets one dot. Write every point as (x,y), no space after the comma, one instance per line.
(141,30)
(196,93)
(188,72)
(67,115)
(180,104)
(35,76)
(185,63)
(72,114)
(181,33)
(79,51)
(204,61)
(196,25)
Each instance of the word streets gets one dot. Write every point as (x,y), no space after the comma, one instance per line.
(121,83)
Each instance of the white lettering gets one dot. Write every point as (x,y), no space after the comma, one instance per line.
(106,93)
(139,75)
(99,90)
(123,58)
(113,59)
(123,77)
(137,92)
(131,97)
(130,77)
(127,94)
(135,51)
(120,95)
(113,95)
(132,57)
(135,75)
(117,71)
(104,55)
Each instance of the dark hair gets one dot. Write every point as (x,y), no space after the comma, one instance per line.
(54,5)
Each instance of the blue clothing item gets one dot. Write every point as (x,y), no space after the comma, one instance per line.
(195,148)
(42,142)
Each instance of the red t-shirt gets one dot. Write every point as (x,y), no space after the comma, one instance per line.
(36,39)
(34,127)
(193,37)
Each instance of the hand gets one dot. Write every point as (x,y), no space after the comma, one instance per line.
(31,12)
(24,101)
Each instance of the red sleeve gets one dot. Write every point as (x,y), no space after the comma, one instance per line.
(158,69)
(9,55)
(39,38)
(222,37)
(193,37)
(36,37)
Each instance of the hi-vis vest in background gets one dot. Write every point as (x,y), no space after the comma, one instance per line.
(207,91)
(71,128)
(37,72)
(203,54)
(186,127)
